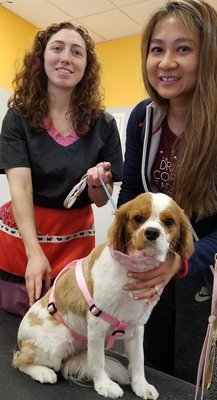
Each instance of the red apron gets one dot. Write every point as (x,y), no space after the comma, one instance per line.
(64,235)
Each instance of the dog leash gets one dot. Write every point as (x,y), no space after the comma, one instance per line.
(78,189)
(108,194)
(75,192)
(207,345)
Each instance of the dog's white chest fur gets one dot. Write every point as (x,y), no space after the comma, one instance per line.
(109,278)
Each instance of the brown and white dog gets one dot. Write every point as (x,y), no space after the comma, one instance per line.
(145,229)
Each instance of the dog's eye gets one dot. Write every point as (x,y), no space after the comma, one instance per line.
(138,219)
(169,222)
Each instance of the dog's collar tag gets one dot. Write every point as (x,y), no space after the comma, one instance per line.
(132,262)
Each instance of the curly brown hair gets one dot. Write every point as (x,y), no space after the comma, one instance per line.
(195,184)
(30,83)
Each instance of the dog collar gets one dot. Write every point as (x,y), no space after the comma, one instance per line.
(133,263)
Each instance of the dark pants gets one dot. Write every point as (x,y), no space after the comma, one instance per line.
(159,339)
(176,330)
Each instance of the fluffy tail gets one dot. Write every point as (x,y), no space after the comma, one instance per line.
(76,369)
(22,358)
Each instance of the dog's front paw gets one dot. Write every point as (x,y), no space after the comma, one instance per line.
(144,390)
(40,373)
(108,388)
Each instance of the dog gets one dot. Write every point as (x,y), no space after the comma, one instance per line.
(54,333)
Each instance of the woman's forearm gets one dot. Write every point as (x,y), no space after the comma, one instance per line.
(98,195)
(95,175)
(38,266)
(22,202)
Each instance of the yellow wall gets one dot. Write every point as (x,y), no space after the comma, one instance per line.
(16,35)
(120,60)
(121,71)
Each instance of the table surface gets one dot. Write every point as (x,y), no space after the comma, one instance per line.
(19,386)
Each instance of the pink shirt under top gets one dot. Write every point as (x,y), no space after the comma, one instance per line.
(71,138)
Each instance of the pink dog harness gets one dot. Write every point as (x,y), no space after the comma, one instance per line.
(119,326)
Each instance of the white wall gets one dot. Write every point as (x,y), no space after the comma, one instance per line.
(103,215)
(4,96)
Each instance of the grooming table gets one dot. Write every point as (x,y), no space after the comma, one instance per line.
(19,386)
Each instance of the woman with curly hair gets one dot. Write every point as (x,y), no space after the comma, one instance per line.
(55,131)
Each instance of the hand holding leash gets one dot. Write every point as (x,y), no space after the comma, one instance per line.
(96,177)
(101,170)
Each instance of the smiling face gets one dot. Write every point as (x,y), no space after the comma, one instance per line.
(65,59)
(173,59)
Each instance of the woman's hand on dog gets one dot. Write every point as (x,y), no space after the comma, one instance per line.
(38,268)
(150,284)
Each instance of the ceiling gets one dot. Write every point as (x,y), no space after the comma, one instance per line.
(104,19)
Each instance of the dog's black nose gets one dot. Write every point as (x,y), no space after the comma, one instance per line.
(152,233)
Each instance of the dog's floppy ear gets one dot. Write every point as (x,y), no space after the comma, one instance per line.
(185,243)
(116,233)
